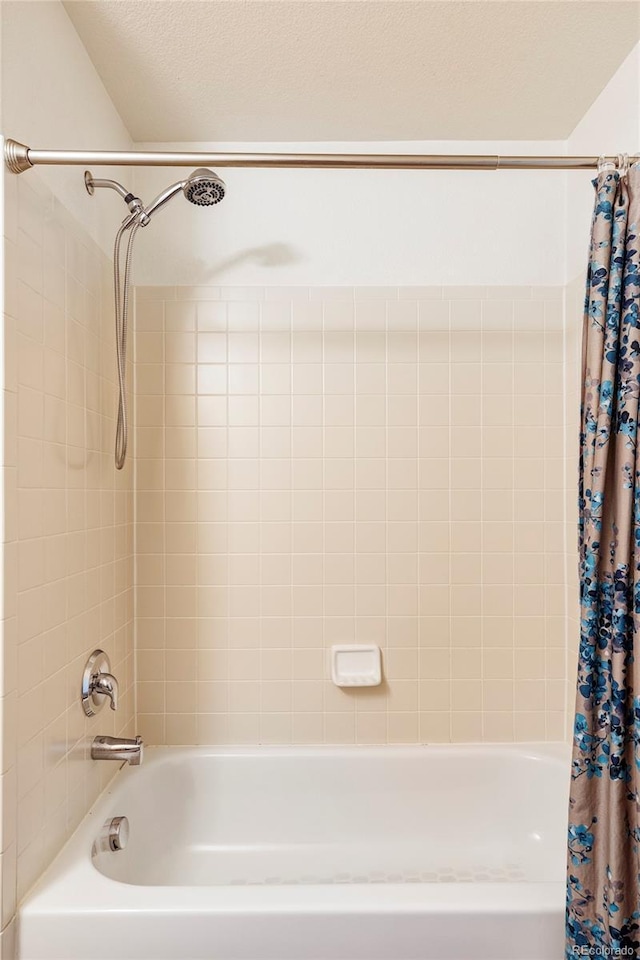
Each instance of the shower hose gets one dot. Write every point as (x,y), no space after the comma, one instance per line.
(121,296)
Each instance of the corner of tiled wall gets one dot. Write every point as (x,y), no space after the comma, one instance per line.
(68,566)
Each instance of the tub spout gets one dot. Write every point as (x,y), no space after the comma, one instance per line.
(118,748)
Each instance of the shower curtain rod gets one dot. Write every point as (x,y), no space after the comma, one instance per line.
(19,158)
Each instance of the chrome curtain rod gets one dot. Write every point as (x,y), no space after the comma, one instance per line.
(19,158)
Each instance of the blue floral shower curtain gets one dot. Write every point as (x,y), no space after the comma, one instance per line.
(603,882)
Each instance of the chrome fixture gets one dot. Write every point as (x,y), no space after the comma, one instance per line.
(98,684)
(19,157)
(134,203)
(203,188)
(118,748)
(116,833)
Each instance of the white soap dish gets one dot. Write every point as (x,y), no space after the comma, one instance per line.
(356,665)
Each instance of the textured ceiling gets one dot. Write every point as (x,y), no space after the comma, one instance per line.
(190,70)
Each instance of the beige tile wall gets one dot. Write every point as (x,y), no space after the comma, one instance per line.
(574,308)
(319,466)
(68,530)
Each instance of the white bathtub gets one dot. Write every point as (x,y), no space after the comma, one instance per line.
(316,853)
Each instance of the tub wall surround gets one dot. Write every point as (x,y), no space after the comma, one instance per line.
(68,528)
(67,515)
(335,465)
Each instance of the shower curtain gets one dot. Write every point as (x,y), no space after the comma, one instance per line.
(603,883)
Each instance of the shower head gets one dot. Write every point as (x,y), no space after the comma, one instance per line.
(204,188)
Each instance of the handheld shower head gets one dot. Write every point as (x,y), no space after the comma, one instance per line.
(204,188)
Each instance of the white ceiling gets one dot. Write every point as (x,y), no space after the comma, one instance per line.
(198,70)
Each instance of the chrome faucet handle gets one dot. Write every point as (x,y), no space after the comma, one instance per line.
(98,684)
(106,684)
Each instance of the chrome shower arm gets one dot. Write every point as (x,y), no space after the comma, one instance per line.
(134,203)
(91,183)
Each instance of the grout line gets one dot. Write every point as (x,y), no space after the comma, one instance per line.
(419,470)
(483,704)
(164,529)
(565,519)
(386,500)
(291,643)
(134,506)
(261,553)
(512,364)
(354,522)
(450,511)
(323,364)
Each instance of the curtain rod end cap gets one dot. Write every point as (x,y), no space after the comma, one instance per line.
(16,156)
